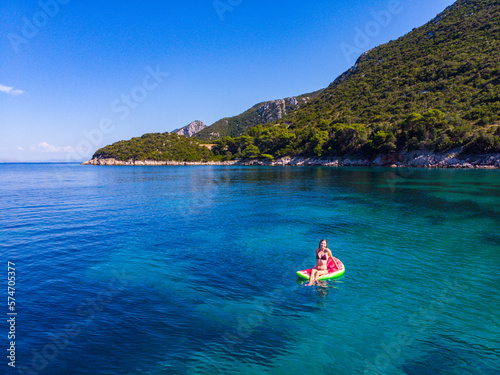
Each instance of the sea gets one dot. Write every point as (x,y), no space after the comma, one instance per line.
(192,270)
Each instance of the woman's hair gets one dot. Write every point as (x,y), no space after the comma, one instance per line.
(322,241)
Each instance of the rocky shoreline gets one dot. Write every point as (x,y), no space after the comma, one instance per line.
(417,159)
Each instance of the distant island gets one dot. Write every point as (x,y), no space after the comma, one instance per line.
(428,99)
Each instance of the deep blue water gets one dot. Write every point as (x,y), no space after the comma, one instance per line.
(191,270)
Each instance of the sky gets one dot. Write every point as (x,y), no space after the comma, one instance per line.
(78,75)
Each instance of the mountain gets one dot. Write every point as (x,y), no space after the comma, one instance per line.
(154,146)
(261,113)
(435,89)
(191,129)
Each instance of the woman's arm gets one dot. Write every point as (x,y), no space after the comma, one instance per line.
(329,253)
(333,258)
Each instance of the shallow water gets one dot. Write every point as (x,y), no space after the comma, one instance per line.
(191,270)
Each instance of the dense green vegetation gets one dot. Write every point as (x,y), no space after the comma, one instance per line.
(238,125)
(436,88)
(430,131)
(156,146)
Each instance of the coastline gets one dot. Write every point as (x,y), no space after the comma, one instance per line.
(414,159)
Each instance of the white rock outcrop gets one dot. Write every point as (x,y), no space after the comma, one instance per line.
(191,129)
(276,109)
(414,160)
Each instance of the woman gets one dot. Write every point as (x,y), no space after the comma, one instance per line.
(322,254)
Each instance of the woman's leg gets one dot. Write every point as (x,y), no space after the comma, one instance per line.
(312,276)
(320,273)
(317,274)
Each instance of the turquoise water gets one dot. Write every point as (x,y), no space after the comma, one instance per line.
(191,270)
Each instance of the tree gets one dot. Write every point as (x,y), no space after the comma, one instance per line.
(251,152)
(317,142)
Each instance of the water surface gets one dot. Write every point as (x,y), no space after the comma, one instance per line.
(191,270)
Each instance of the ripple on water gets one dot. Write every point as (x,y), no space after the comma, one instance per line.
(192,270)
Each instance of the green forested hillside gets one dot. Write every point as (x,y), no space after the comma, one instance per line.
(156,146)
(238,125)
(230,126)
(436,88)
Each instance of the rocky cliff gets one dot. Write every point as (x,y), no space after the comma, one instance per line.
(415,159)
(261,113)
(276,109)
(191,129)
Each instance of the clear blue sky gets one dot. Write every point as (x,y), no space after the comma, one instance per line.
(77,75)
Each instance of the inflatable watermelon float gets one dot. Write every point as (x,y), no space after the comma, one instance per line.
(335,268)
